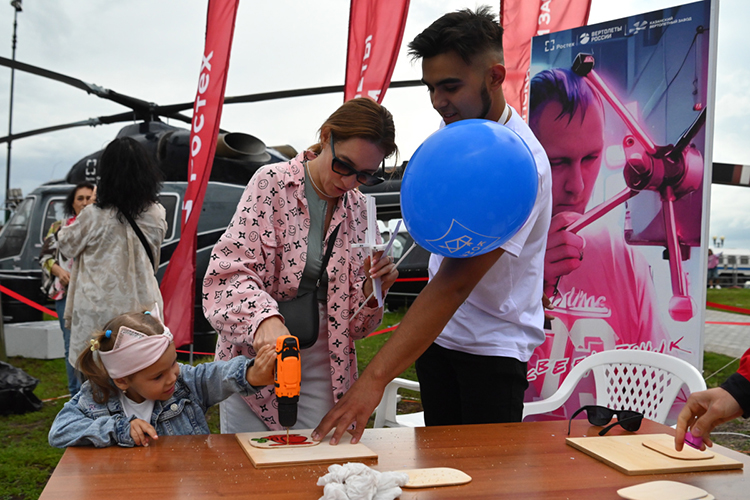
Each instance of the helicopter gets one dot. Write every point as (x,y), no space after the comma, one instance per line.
(238,156)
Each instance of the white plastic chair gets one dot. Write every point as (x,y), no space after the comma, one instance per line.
(385,413)
(647,382)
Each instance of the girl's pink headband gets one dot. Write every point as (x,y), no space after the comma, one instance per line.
(134,351)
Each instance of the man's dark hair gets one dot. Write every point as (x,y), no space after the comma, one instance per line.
(563,86)
(68,203)
(465,32)
(130,180)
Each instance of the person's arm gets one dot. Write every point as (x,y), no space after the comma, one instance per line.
(76,426)
(705,410)
(235,299)
(421,325)
(73,239)
(62,274)
(215,381)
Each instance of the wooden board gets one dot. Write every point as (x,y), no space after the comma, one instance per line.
(435,476)
(289,456)
(687,453)
(663,490)
(628,455)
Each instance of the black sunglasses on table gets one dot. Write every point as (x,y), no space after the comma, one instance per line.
(342,168)
(599,415)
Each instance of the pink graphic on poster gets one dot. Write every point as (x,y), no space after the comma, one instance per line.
(622,110)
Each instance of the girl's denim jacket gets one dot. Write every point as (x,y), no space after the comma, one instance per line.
(82,421)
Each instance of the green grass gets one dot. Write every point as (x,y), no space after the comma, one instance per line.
(736,297)
(26,460)
(717,367)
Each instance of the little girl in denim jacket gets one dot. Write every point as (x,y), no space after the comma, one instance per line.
(136,390)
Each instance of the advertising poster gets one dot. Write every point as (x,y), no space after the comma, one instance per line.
(624,110)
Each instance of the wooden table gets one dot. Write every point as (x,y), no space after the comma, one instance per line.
(526,460)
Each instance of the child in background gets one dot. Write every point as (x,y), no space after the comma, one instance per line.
(136,390)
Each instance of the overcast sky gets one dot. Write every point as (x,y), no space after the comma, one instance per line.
(151,49)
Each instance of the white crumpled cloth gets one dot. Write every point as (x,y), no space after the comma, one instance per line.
(355,481)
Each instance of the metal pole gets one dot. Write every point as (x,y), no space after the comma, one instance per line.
(3,352)
(17,8)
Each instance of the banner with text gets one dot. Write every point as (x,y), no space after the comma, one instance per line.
(375,32)
(178,283)
(523,19)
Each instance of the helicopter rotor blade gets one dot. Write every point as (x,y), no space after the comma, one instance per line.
(144,109)
(147,111)
(91,122)
(282,94)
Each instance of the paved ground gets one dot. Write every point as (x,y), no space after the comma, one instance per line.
(730,340)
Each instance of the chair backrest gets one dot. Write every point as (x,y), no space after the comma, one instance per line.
(643,381)
(386,414)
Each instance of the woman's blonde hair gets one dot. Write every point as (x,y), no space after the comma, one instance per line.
(360,118)
(91,366)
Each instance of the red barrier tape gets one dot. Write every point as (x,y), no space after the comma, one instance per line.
(728,308)
(385,330)
(26,301)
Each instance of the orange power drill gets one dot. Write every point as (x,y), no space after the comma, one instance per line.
(287,379)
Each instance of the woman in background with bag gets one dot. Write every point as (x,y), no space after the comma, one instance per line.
(114,266)
(56,267)
(291,240)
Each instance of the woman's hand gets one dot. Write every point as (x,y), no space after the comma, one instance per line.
(383,268)
(140,430)
(62,274)
(261,373)
(268,331)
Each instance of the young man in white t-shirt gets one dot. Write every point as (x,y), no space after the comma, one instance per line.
(484,313)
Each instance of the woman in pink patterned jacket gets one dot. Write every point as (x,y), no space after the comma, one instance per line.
(285,218)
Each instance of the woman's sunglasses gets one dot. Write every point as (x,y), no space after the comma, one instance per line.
(599,415)
(342,168)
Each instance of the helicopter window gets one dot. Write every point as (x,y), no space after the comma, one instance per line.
(55,211)
(16,230)
(169,202)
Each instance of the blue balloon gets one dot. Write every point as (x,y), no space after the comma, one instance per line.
(468,188)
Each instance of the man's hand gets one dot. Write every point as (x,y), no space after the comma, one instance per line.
(140,430)
(421,325)
(355,407)
(268,331)
(703,411)
(564,250)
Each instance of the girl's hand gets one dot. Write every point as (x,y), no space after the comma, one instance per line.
(261,373)
(383,268)
(268,331)
(140,430)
